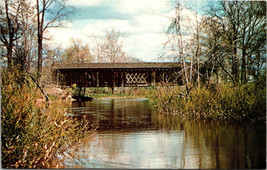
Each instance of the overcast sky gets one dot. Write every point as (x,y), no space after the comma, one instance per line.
(144,21)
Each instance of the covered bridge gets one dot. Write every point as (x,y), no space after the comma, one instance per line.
(116,74)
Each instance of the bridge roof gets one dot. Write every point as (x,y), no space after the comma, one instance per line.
(154,65)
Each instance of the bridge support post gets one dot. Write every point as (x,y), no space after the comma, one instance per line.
(57,78)
(122,79)
(113,83)
(153,78)
(97,79)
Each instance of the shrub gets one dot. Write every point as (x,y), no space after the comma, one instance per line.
(34,133)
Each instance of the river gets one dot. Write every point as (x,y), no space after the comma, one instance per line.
(132,134)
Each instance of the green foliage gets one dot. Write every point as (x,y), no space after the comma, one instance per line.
(222,101)
(34,133)
(75,90)
(101,92)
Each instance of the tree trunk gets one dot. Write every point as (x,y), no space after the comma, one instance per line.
(234,63)
(243,67)
(40,23)
(40,58)
(9,57)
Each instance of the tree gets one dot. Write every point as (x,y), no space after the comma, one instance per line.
(229,39)
(113,46)
(212,44)
(243,25)
(26,45)
(183,41)
(98,50)
(110,48)
(11,25)
(45,8)
(18,30)
(175,43)
(194,47)
(252,37)
(77,52)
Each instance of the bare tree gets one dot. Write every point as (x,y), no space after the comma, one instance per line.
(193,47)
(183,41)
(176,43)
(45,7)
(113,46)
(110,48)
(11,25)
(98,49)
(77,52)
(252,37)
(212,43)
(27,43)
(243,24)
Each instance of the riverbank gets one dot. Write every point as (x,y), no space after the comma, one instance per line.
(69,94)
(130,92)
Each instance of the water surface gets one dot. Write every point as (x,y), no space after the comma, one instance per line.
(132,134)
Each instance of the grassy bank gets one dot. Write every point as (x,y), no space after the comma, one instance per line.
(221,101)
(105,92)
(35,133)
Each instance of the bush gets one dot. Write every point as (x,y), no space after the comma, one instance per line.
(222,101)
(34,133)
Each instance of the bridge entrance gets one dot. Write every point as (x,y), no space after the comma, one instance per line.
(116,74)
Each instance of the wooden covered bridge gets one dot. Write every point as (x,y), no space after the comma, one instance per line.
(116,74)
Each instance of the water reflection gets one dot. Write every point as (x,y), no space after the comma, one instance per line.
(132,134)
(213,144)
(135,150)
(117,114)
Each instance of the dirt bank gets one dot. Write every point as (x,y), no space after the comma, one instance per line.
(53,92)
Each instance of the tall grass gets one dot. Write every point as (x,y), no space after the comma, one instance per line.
(221,101)
(34,134)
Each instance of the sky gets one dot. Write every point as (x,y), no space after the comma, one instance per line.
(144,22)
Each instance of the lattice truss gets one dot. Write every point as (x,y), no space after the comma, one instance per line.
(136,78)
